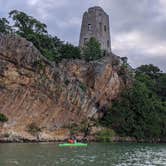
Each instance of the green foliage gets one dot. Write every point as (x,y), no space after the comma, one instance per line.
(3,118)
(69,51)
(36,32)
(123,70)
(154,79)
(150,70)
(4,26)
(92,50)
(73,128)
(46,44)
(83,127)
(105,135)
(25,24)
(39,65)
(33,129)
(161,86)
(82,87)
(140,112)
(66,82)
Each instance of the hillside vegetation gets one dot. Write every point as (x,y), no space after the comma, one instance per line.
(140,111)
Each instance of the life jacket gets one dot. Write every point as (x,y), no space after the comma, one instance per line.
(71,141)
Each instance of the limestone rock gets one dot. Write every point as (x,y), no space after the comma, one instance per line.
(53,96)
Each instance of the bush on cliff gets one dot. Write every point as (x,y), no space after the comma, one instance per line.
(92,50)
(68,51)
(3,118)
(105,135)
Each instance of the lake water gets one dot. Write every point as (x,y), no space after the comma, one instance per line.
(96,154)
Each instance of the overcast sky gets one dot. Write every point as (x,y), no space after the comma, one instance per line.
(138,27)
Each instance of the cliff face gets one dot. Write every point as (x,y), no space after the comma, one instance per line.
(53,96)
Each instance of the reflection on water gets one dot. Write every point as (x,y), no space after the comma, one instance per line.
(96,154)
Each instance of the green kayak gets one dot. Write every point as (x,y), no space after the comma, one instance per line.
(75,144)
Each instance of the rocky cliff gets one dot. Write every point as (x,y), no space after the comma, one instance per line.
(37,95)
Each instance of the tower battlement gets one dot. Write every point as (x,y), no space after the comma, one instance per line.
(95,23)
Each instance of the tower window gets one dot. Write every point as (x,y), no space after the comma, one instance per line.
(100,25)
(105,28)
(85,40)
(108,43)
(89,27)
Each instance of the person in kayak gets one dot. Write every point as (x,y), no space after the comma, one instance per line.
(72,140)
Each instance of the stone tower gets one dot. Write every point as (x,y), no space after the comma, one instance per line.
(95,23)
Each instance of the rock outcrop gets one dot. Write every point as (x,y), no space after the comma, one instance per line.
(51,96)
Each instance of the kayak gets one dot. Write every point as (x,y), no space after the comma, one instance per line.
(75,144)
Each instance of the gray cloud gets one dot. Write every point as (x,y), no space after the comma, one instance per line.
(137,27)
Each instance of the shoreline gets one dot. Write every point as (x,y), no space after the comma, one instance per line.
(3,141)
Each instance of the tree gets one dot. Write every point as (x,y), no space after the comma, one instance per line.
(36,32)
(141,110)
(161,86)
(149,70)
(4,26)
(154,79)
(69,51)
(46,45)
(92,50)
(137,113)
(25,25)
